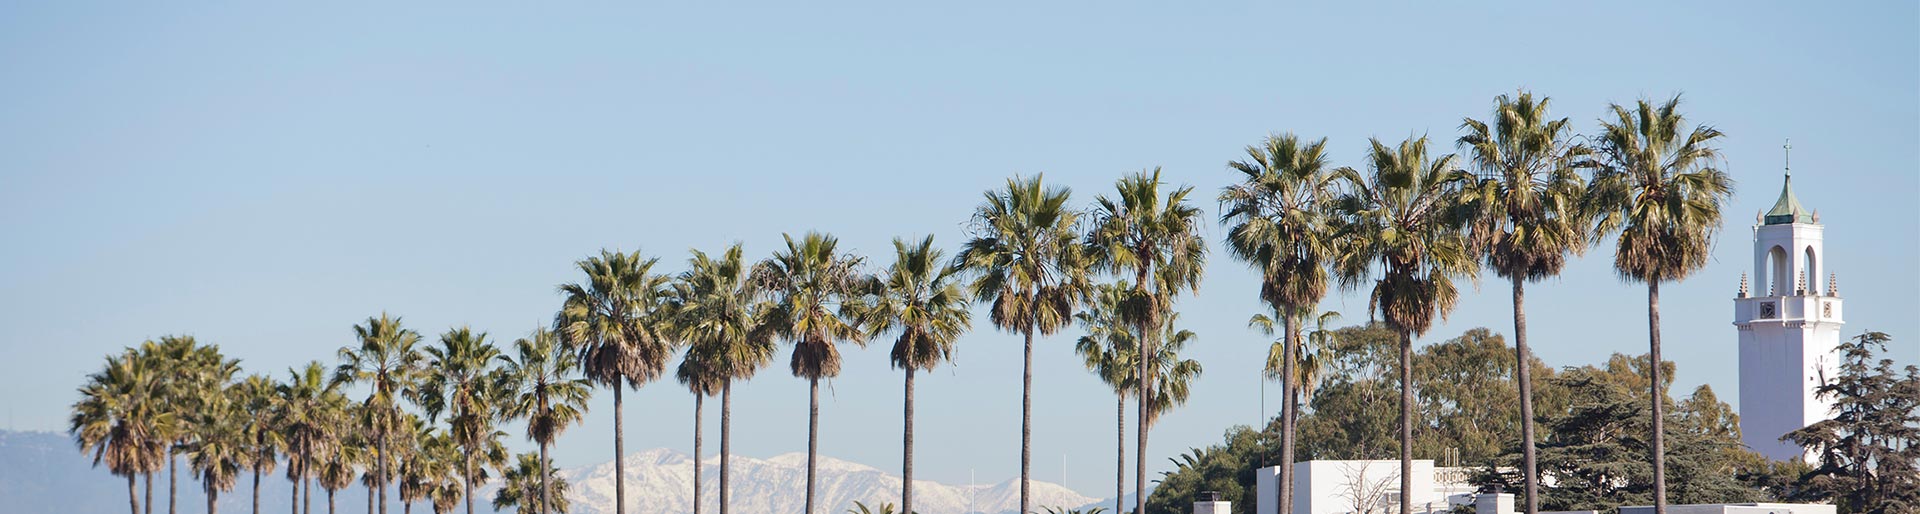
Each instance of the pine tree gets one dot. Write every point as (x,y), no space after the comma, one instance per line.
(1867,452)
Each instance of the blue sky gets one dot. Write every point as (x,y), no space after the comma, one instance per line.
(265,177)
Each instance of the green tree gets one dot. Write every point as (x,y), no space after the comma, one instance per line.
(428,463)
(336,466)
(526,485)
(919,298)
(118,419)
(1158,241)
(814,285)
(1398,226)
(311,406)
(1107,351)
(1025,264)
(703,378)
(1656,185)
(222,447)
(546,394)
(265,441)
(1278,219)
(721,315)
(1868,451)
(187,369)
(385,359)
(614,321)
(463,382)
(1525,219)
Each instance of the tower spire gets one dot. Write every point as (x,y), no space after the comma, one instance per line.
(1789,161)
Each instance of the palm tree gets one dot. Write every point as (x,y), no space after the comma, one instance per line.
(1655,184)
(1278,219)
(1157,240)
(920,298)
(1402,218)
(1525,219)
(813,285)
(1173,376)
(222,447)
(1300,374)
(610,320)
(703,378)
(118,419)
(527,483)
(336,465)
(311,406)
(547,395)
(264,440)
(462,382)
(1106,351)
(188,368)
(1024,261)
(720,315)
(428,463)
(387,361)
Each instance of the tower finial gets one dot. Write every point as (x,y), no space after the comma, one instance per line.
(1789,164)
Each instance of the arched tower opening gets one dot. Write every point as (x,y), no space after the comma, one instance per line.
(1780,273)
(1813,272)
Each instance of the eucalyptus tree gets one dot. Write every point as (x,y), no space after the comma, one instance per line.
(1278,224)
(1656,185)
(1106,350)
(720,314)
(813,285)
(919,298)
(1397,228)
(265,441)
(1525,218)
(1157,240)
(387,360)
(547,394)
(119,418)
(1025,263)
(221,446)
(525,484)
(614,322)
(463,382)
(311,409)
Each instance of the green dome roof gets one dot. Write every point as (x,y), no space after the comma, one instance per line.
(1787,209)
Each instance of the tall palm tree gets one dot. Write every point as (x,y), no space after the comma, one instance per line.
(264,440)
(1300,374)
(703,378)
(813,285)
(462,382)
(1173,376)
(311,406)
(526,483)
(1525,219)
(1656,184)
(547,395)
(1157,240)
(720,315)
(612,321)
(336,466)
(428,463)
(221,446)
(1106,350)
(188,369)
(1024,261)
(387,361)
(118,417)
(1399,225)
(920,298)
(1278,219)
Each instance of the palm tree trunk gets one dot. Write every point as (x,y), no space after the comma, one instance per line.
(697,405)
(466,482)
(726,438)
(1288,390)
(256,489)
(1406,420)
(133,499)
(813,435)
(1144,399)
(296,484)
(1120,459)
(619,454)
(370,495)
(330,504)
(1523,371)
(1658,398)
(1026,421)
(148,484)
(380,479)
(173,482)
(306,497)
(213,501)
(906,451)
(546,489)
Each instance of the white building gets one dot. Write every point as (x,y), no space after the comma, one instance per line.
(1789,328)
(1735,508)
(1364,487)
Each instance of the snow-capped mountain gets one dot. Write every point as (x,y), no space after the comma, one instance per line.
(660,481)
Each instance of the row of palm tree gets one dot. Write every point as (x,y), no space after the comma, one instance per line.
(1404,228)
(1411,223)
(177,397)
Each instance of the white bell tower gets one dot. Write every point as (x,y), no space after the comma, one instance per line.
(1789,327)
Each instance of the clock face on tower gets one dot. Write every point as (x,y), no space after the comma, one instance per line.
(1767,310)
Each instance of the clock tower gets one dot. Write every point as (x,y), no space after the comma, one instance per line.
(1789,327)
